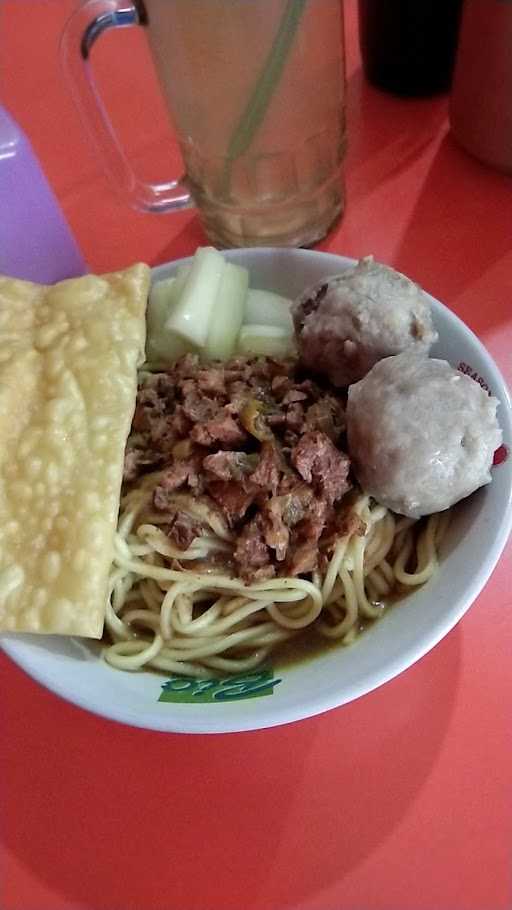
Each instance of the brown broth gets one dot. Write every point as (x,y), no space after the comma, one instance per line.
(310,644)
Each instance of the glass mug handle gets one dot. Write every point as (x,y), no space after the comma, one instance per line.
(81,32)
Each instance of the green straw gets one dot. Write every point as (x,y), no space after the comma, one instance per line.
(266,84)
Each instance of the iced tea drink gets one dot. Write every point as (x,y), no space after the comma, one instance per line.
(256,91)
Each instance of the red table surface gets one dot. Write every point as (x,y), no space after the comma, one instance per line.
(398,801)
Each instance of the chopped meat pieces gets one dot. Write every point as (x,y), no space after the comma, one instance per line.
(212,381)
(253,443)
(178,423)
(277,534)
(223,429)
(178,473)
(269,468)
(314,521)
(295,417)
(327,416)
(280,386)
(302,559)
(320,463)
(198,408)
(294,395)
(182,529)
(232,498)
(136,461)
(350,523)
(230,465)
(251,551)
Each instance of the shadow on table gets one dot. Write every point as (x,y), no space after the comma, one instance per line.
(460,227)
(386,134)
(118,818)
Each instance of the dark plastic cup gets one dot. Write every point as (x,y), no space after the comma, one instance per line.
(408,46)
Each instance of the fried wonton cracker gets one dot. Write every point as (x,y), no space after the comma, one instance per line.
(68,382)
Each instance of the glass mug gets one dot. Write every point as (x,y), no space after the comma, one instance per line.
(256,91)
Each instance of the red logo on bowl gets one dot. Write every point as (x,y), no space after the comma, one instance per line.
(468,370)
(500,455)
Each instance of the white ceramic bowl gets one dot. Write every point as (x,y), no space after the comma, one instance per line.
(72,668)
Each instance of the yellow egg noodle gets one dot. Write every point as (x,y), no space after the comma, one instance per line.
(196,623)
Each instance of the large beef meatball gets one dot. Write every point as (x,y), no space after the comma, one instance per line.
(421,435)
(348,323)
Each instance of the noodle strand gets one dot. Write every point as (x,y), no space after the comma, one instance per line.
(196,623)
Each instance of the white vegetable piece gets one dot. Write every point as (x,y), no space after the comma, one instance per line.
(163,345)
(181,276)
(190,317)
(265,340)
(267,308)
(228,313)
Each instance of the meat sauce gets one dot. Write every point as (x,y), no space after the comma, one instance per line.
(258,446)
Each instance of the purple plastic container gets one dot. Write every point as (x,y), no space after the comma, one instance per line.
(35,240)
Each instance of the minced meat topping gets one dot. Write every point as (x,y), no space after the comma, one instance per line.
(257,443)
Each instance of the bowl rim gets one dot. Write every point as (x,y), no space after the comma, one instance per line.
(278,715)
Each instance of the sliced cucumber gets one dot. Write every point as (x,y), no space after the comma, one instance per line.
(266,308)
(162,345)
(190,317)
(207,307)
(181,276)
(265,341)
(228,313)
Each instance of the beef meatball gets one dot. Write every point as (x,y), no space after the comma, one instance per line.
(348,323)
(421,435)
